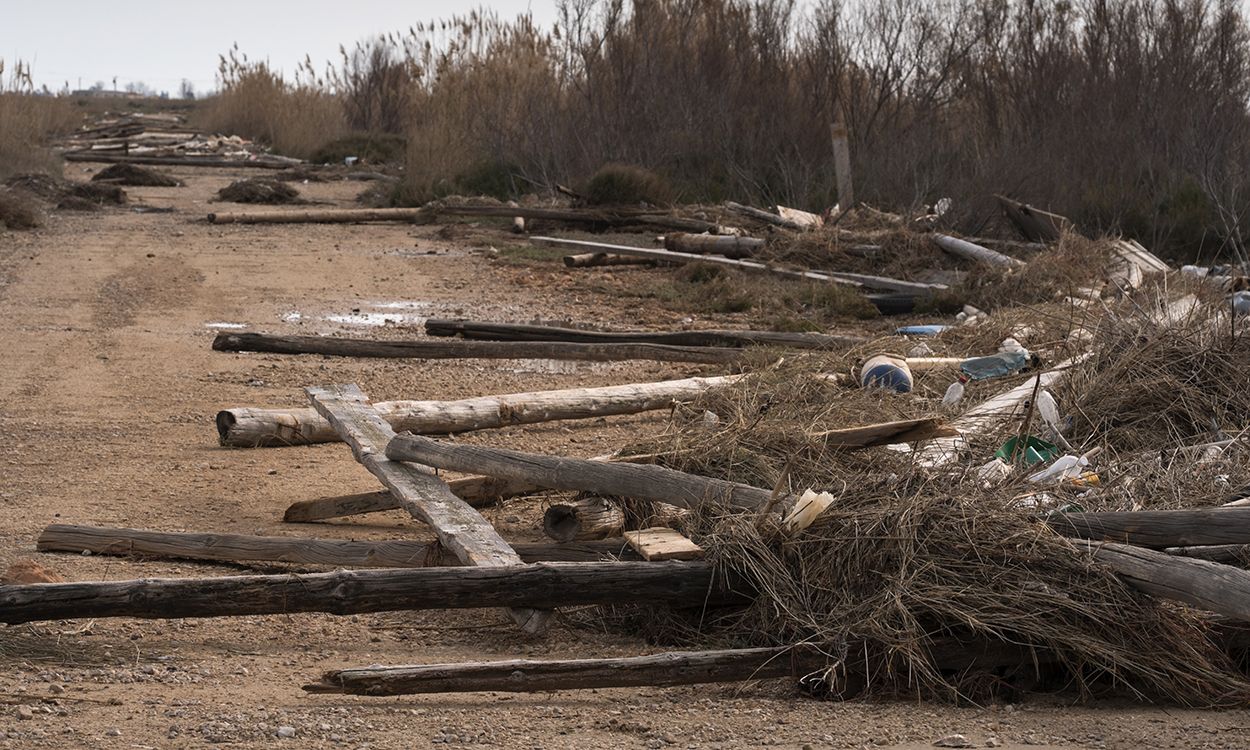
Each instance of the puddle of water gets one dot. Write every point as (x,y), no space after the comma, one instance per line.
(374,319)
(293,317)
(373,314)
(226,326)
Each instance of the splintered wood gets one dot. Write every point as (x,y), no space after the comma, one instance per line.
(663,544)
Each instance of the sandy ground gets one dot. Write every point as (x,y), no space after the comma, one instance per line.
(107,394)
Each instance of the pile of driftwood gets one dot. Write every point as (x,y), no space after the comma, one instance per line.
(849,537)
(163,139)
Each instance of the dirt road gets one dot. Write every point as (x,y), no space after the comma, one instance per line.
(107,396)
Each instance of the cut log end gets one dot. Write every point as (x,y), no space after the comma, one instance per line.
(589,518)
(225,421)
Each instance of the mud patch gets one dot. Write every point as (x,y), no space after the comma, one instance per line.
(149,284)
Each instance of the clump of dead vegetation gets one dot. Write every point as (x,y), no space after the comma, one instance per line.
(133,174)
(27,119)
(68,196)
(19,210)
(623,184)
(260,190)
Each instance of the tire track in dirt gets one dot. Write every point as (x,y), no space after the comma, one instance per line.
(153,283)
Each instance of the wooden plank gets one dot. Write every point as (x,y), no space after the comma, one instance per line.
(344,346)
(249,427)
(842,160)
(660,543)
(557,472)
(480,492)
(971,251)
(539,586)
(834,277)
(236,548)
(459,528)
(524,675)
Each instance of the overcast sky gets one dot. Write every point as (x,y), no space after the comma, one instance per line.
(161,43)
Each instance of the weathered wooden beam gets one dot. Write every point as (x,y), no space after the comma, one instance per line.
(641,481)
(712,244)
(1158,529)
(342,346)
(1217,588)
(473,329)
(765,216)
(834,277)
(239,548)
(971,251)
(177,161)
(250,427)
(315,216)
(524,675)
(594,217)
(459,528)
(1221,553)
(538,586)
(595,260)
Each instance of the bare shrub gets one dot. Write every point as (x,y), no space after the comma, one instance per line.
(27,118)
(19,210)
(622,184)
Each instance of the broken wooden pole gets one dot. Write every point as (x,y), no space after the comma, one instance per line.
(250,427)
(842,160)
(460,529)
(1034,224)
(243,548)
(835,277)
(711,244)
(594,260)
(479,492)
(593,217)
(1221,553)
(1158,529)
(641,481)
(315,216)
(976,253)
(472,329)
(524,675)
(342,346)
(179,161)
(765,216)
(346,592)
(587,518)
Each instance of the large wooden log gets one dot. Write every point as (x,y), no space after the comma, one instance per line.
(641,481)
(593,217)
(1217,588)
(835,277)
(342,346)
(711,244)
(344,592)
(239,548)
(974,252)
(1221,553)
(587,518)
(178,161)
(479,492)
(459,528)
(472,329)
(249,427)
(1158,529)
(524,675)
(315,216)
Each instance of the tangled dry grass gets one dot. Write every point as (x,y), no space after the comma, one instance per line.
(133,174)
(908,561)
(256,190)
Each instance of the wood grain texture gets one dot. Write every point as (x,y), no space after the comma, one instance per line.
(343,346)
(1158,529)
(616,479)
(974,252)
(660,543)
(460,529)
(479,492)
(539,586)
(235,548)
(315,216)
(1206,585)
(524,675)
(251,427)
(712,244)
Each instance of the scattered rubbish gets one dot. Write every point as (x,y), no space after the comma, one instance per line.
(1031,449)
(886,371)
(954,393)
(921,330)
(996,365)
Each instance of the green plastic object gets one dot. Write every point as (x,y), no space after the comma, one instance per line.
(1035,450)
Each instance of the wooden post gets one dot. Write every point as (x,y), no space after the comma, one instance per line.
(239,548)
(588,518)
(640,481)
(248,427)
(594,260)
(1158,528)
(538,586)
(472,329)
(460,528)
(842,160)
(315,216)
(342,346)
(479,492)
(523,675)
(835,277)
